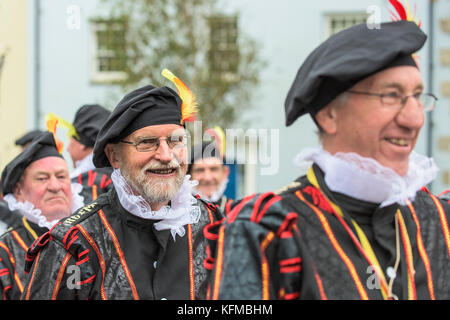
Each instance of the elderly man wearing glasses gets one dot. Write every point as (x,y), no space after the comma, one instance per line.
(360,224)
(143,238)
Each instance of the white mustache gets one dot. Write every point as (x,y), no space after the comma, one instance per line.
(173,164)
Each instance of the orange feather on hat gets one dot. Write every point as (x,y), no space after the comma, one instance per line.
(189,107)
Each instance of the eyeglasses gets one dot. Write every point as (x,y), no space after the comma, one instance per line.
(152,143)
(426,101)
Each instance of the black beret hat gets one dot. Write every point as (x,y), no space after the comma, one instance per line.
(346,58)
(88,121)
(41,147)
(140,108)
(204,150)
(26,138)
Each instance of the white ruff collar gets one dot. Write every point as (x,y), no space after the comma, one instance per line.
(181,211)
(83,166)
(216,194)
(366,179)
(35,215)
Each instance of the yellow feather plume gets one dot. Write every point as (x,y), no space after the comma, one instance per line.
(66,124)
(189,107)
(219,136)
(51,122)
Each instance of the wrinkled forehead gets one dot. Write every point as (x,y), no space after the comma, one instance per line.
(161,130)
(47,165)
(208,162)
(403,78)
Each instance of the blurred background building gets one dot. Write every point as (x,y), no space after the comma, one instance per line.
(56,55)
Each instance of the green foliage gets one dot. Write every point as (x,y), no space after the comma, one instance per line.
(181,35)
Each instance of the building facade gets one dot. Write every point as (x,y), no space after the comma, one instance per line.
(14,75)
(66,61)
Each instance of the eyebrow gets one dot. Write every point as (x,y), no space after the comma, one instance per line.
(49,173)
(145,137)
(398,86)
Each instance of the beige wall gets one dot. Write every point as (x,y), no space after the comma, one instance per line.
(13,76)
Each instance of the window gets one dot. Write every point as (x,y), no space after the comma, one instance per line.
(336,22)
(108,50)
(223,52)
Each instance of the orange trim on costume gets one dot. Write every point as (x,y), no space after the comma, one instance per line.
(94,192)
(257,215)
(375,266)
(422,252)
(361,242)
(36,261)
(323,296)
(219,261)
(444,222)
(337,247)
(191,264)
(265,265)
(13,262)
(99,256)
(28,227)
(234,213)
(266,207)
(211,217)
(62,269)
(19,240)
(412,294)
(121,255)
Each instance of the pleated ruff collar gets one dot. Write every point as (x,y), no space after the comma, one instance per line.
(366,179)
(216,194)
(181,211)
(35,215)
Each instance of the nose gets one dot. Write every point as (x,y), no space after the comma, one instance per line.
(163,153)
(54,184)
(411,115)
(207,175)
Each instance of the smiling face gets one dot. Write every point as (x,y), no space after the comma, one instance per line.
(210,173)
(46,184)
(362,124)
(156,175)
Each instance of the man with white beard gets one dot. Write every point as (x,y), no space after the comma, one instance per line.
(142,239)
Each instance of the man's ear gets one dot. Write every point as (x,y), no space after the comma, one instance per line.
(327,119)
(112,155)
(87,149)
(18,193)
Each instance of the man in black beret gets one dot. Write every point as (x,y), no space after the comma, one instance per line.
(25,140)
(7,217)
(359,224)
(87,123)
(22,142)
(38,192)
(208,168)
(142,239)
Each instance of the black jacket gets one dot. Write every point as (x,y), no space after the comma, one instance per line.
(14,244)
(295,244)
(94,183)
(104,252)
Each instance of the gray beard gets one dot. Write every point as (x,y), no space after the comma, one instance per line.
(155,190)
